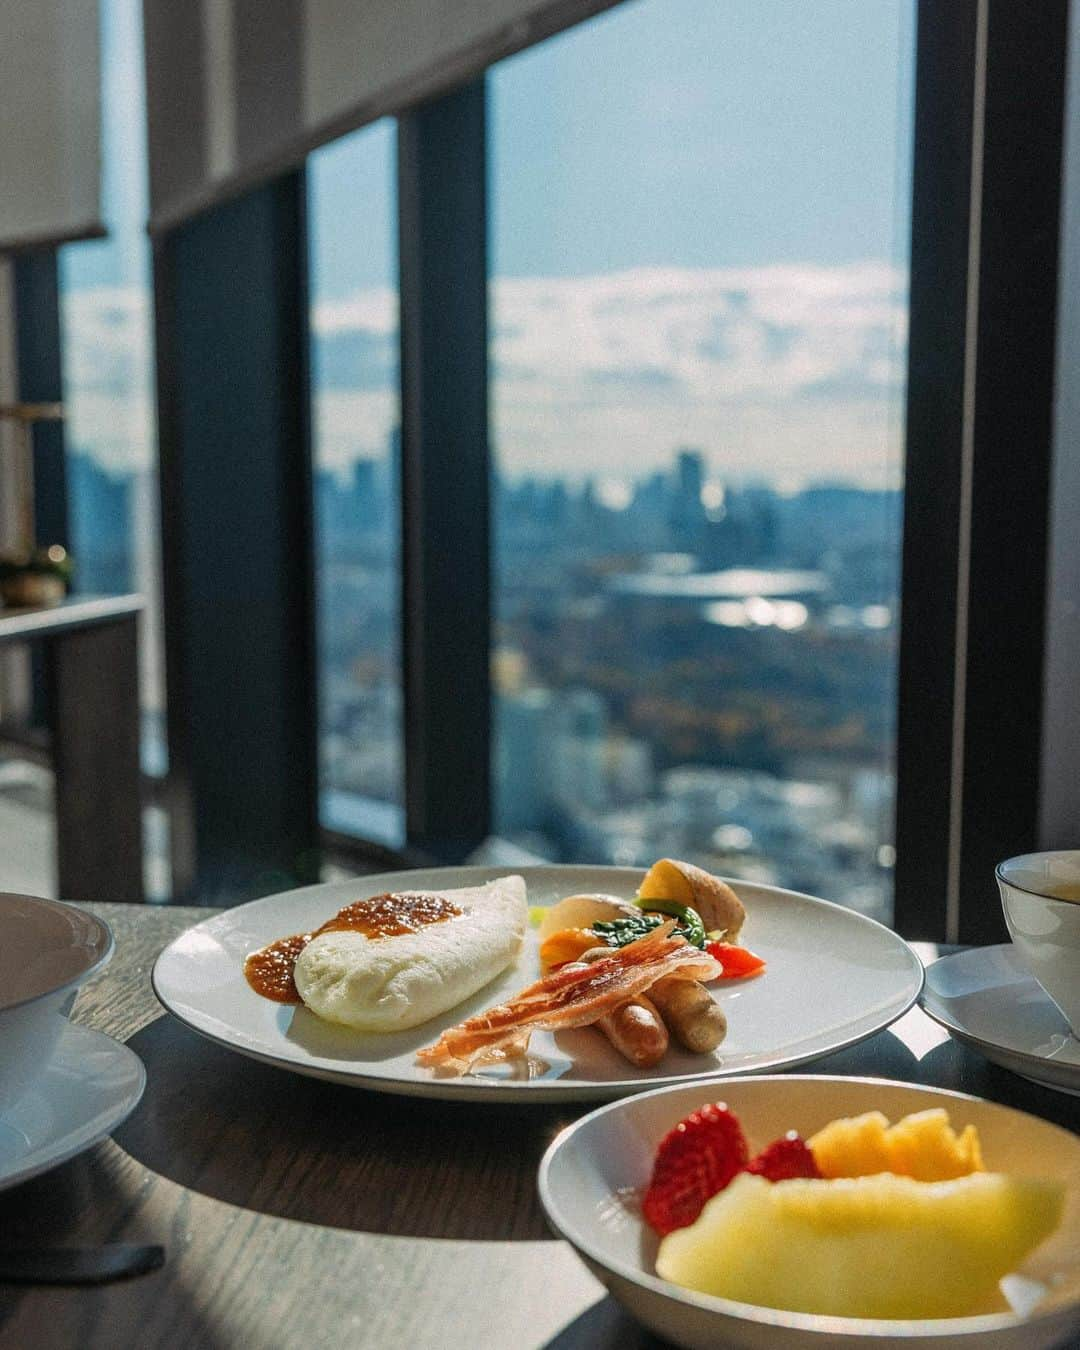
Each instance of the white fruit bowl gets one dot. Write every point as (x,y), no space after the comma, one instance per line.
(591,1177)
(47,949)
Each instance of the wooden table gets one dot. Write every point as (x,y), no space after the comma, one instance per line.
(92,706)
(301,1213)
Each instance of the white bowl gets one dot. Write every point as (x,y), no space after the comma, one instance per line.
(1044,925)
(591,1177)
(47,949)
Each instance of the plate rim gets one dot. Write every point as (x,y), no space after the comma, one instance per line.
(537,1090)
(991,1048)
(89,1135)
(914,1329)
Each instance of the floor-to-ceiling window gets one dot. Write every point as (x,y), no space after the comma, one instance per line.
(356,419)
(106,331)
(699,231)
(107,353)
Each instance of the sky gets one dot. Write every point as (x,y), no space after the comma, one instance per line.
(698,235)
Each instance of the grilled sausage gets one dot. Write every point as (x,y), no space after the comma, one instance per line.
(634,1028)
(693,1017)
(637,1031)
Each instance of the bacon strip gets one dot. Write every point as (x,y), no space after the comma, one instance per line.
(573,996)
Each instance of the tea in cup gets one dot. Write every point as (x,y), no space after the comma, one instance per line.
(1040,894)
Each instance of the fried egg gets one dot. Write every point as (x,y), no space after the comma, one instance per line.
(392,982)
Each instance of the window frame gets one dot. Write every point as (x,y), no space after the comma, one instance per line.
(984,278)
(979,456)
(972,781)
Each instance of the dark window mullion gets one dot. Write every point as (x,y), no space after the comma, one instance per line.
(1026,42)
(38,360)
(445,472)
(39,368)
(1059,806)
(940,237)
(984,279)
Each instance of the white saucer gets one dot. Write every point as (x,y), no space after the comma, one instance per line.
(986,999)
(92,1083)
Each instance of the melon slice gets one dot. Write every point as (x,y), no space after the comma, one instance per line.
(875,1246)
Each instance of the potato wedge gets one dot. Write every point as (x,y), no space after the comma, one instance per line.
(719,906)
(717,903)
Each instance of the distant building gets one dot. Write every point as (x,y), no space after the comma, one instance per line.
(579,762)
(101,508)
(523,755)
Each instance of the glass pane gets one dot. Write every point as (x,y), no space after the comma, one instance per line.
(699,307)
(357,418)
(106,322)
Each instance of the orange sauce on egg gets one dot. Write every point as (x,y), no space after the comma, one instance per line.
(269,971)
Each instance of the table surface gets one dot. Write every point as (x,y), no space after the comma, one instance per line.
(302,1213)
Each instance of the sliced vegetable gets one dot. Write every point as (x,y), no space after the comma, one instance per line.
(689,924)
(736,961)
(621,932)
(714,900)
(566,945)
(582,911)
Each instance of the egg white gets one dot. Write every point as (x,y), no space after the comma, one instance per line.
(393,983)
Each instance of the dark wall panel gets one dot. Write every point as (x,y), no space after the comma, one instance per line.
(236,521)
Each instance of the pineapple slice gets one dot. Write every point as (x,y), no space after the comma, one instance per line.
(874,1246)
(924,1146)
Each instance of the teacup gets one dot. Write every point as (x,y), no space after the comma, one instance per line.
(1040,894)
(47,949)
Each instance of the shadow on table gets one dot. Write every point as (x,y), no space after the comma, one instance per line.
(883,1055)
(954,1066)
(605,1326)
(82,1203)
(300,1148)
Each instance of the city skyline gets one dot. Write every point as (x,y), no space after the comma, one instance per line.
(675,258)
(698,223)
(784,372)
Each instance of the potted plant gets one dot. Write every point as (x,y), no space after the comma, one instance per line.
(39,576)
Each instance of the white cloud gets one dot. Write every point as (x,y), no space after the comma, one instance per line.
(792,371)
(352,424)
(375,311)
(784,371)
(108,375)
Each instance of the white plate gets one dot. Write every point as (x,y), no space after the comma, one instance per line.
(90,1085)
(591,1175)
(986,999)
(833,978)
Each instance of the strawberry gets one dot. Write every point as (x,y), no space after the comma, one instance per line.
(783,1159)
(695,1160)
